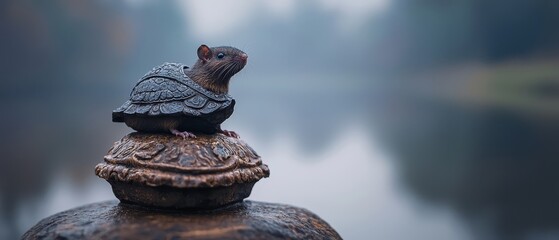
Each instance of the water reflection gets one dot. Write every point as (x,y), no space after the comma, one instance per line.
(487,154)
(353,185)
(494,167)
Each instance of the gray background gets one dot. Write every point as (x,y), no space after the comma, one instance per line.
(391,119)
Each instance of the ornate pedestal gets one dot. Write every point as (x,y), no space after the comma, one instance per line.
(174,188)
(162,170)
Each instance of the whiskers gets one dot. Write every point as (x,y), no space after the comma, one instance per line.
(223,73)
(215,77)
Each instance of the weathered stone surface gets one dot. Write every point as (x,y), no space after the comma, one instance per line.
(163,170)
(244,220)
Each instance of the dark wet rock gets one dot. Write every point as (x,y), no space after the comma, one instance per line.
(244,220)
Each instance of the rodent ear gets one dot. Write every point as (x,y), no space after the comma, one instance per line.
(204,53)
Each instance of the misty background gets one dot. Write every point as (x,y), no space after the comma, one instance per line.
(390,119)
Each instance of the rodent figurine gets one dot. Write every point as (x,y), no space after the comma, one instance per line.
(181,100)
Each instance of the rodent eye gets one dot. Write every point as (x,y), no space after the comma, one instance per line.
(220,55)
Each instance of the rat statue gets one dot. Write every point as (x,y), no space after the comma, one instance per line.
(181,100)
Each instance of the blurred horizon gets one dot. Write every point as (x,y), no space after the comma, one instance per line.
(390,119)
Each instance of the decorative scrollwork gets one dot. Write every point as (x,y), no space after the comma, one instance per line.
(162,159)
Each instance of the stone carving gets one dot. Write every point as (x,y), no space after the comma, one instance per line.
(166,91)
(188,167)
(162,159)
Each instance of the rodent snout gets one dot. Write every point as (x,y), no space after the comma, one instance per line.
(243,57)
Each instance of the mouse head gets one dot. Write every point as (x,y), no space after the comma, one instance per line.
(224,61)
(206,54)
(215,67)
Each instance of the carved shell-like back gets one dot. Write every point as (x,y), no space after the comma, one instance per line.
(167,90)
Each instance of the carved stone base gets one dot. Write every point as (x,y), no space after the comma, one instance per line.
(166,171)
(244,220)
(169,197)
